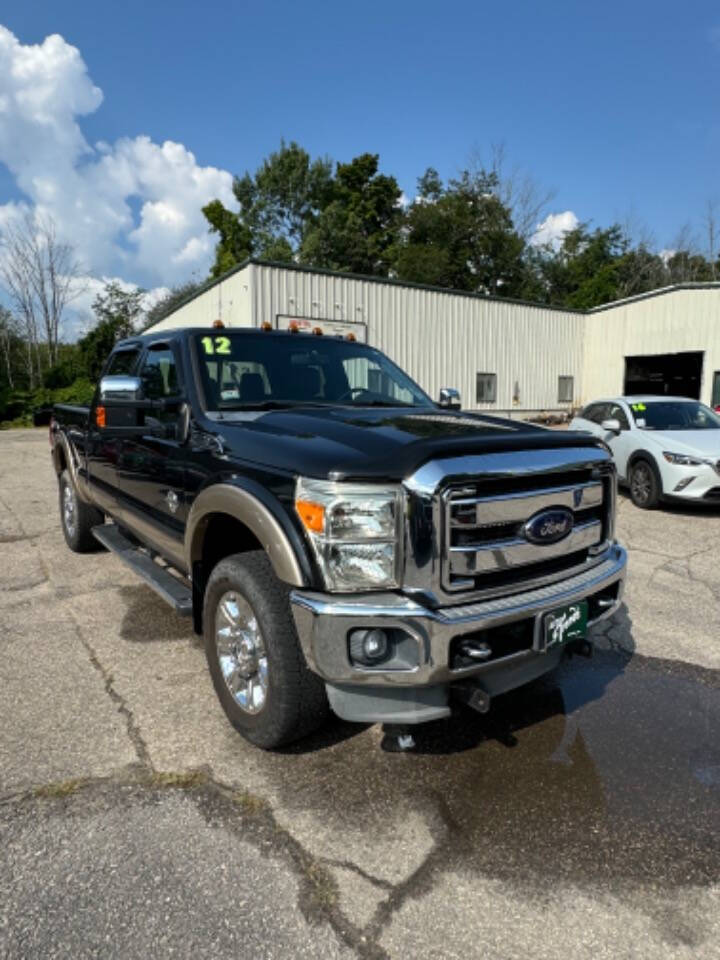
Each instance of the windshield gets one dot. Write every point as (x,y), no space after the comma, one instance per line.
(674,415)
(243,371)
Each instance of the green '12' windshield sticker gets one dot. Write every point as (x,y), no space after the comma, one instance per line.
(639,407)
(219,345)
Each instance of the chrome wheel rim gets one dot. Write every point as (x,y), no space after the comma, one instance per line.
(641,484)
(241,652)
(69,510)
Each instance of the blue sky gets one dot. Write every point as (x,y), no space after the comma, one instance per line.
(612,106)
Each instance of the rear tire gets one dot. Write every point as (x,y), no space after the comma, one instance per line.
(257,666)
(645,485)
(77,517)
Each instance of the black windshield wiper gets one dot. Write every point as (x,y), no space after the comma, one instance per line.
(384,403)
(270,405)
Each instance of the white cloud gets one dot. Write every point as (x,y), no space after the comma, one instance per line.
(92,191)
(553,228)
(79,318)
(666,255)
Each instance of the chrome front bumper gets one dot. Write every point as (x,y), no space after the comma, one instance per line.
(323,622)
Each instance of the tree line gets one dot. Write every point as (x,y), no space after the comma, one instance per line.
(475,232)
(41,277)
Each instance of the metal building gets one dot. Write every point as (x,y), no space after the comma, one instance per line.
(503,355)
(667,341)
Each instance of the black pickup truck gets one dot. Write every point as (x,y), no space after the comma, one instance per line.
(337,537)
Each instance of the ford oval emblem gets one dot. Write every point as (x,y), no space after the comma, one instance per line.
(549,526)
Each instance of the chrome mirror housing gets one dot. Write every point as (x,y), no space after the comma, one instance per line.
(121,387)
(449,398)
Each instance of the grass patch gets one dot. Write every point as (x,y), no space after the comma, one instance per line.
(182,781)
(323,892)
(249,803)
(63,788)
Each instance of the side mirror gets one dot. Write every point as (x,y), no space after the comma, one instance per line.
(612,426)
(121,388)
(449,398)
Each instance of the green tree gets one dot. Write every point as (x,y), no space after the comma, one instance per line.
(684,266)
(359,227)
(462,236)
(235,241)
(585,269)
(276,206)
(118,313)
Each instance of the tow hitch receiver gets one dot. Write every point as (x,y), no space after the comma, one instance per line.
(473,696)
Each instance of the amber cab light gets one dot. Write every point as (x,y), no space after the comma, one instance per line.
(100,416)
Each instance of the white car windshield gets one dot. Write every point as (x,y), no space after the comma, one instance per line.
(674,415)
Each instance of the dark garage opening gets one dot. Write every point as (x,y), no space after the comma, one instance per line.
(671,374)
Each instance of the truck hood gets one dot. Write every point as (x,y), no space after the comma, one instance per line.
(375,443)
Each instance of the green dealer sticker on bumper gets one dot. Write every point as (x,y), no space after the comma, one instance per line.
(564,625)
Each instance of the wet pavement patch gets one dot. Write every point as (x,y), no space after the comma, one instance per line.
(605,771)
(148,620)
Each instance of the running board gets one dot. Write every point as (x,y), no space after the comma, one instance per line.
(172,590)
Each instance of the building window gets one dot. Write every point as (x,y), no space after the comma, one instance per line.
(486,388)
(566,388)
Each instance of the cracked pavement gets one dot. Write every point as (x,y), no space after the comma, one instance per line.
(580,818)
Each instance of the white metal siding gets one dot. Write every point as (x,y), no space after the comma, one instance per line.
(440,339)
(673,322)
(229,301)
(444,339)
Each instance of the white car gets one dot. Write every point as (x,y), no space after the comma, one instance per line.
(662,446)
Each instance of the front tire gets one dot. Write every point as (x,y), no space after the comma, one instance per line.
(77,517)
(645,485)
(254,655)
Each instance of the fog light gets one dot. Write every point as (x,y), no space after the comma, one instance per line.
(683,483)
(369,646)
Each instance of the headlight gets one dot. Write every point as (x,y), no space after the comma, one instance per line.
(683,460)
(354,530)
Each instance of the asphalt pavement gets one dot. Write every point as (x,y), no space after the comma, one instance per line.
(579,819)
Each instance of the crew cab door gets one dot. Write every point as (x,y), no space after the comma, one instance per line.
(104,448)
(150,468)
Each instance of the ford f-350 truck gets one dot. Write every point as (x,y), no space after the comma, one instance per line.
(337,537)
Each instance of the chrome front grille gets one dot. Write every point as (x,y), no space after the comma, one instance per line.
(485,546)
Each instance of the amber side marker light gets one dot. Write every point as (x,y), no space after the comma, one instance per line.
(294,327)
(318,331)
(351,337)
(100,416)
(266,325)
(218,325)
(311,514)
